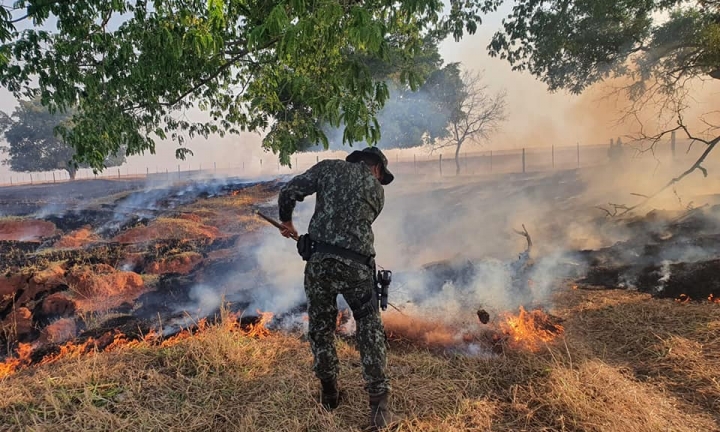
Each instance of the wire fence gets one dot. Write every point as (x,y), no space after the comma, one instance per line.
(402,162)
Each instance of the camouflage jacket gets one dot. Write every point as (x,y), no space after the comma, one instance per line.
(349,199)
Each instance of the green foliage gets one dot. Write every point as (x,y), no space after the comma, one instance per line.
(286,66)
(34,145)
(409,117)
(574,44)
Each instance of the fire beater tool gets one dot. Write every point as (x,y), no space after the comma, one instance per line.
(275,223)
(382,277)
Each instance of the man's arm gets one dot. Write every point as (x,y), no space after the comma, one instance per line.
(297,189)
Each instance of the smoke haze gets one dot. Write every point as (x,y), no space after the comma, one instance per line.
(468,221)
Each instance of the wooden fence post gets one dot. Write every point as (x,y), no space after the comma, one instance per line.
(578,155)
(672,144)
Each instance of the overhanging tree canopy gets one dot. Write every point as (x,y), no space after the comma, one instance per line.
(407,115)
(572,44)
(661,45)
(412,118)
(242,61)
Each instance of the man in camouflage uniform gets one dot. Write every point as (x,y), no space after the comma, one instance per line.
(350,197)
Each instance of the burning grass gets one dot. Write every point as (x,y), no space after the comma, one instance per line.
(428,333)
(530,330)
(524,330)
(221,378)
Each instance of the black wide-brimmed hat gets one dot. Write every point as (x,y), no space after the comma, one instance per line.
(357,155)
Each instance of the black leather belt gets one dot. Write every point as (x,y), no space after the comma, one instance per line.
(320,247)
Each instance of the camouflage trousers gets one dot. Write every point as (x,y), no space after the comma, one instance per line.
(324,280)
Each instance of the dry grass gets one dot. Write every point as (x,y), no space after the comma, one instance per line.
(627,363)
(168,229)
(77,239)
(232,214)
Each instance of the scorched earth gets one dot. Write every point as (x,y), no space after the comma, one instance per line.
(172,306)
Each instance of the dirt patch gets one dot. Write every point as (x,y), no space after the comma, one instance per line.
(40,283)
(59,331)
(168,228)
(28,287)
(182,263)
(100,286)
(26,229)
(77,238)
(57,305)
(18,325)
(9,285)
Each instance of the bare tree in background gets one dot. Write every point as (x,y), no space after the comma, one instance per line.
(475,115)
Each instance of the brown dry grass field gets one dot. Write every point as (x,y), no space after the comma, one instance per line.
(625,362)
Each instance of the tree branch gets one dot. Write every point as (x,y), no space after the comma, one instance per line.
(696,166)
(232,61)
(525,234)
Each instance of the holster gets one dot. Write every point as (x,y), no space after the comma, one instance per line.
(305,246)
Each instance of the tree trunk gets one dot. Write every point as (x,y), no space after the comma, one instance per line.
(457,159)
(72,172)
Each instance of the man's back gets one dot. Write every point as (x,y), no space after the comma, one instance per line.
(349,199)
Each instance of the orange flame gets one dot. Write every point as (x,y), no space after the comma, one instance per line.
(9,366)
(713,299)
(531,329)
(259,329)
(342,318)
(116,340)
(684,298)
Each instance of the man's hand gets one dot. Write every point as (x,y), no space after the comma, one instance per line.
(288,230)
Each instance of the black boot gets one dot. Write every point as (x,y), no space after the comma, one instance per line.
(380,415)
(330,395)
